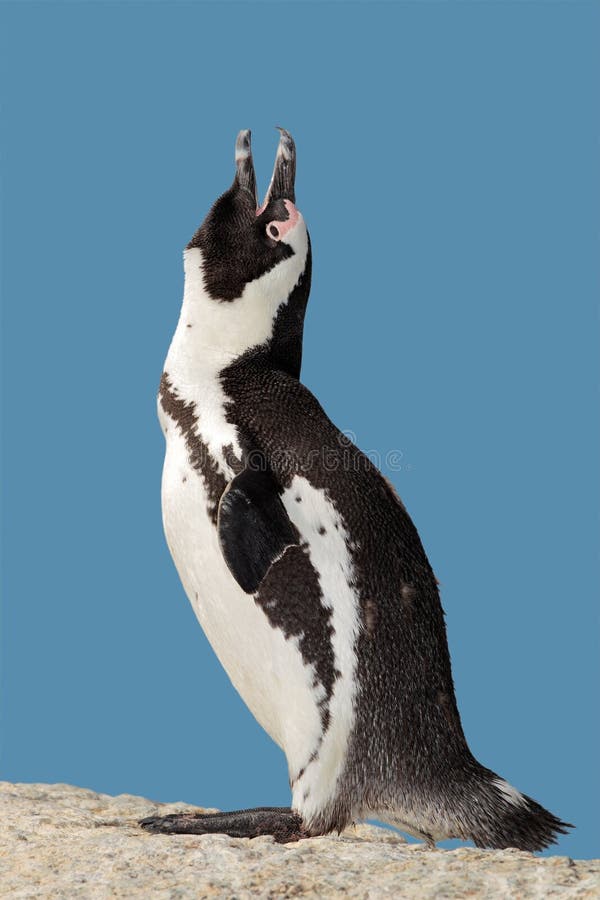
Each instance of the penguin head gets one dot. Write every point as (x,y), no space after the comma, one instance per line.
(253,260)
(242,241)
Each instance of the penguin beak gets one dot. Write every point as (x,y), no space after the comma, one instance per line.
(244,176)
(284,172)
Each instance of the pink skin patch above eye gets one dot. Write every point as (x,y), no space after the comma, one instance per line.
(289,223)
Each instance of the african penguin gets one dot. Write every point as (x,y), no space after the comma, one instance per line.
(300,560)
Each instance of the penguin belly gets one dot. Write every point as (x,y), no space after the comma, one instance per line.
(265,663)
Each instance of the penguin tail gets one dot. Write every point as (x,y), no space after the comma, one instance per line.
(495,814)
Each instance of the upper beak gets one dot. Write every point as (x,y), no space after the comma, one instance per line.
(284,172)
(245,176)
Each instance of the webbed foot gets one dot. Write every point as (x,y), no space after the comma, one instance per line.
(279,821)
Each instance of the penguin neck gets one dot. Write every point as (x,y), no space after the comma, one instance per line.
(283,350)
(259,328)
(286,344)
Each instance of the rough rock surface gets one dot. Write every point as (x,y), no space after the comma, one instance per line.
(67,842)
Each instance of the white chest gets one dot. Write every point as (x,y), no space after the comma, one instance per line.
(266,667)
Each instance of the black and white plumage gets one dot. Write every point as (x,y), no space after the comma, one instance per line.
(301,562)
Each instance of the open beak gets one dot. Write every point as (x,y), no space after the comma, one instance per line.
(284,171)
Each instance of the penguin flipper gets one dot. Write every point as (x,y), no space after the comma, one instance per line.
(253,526)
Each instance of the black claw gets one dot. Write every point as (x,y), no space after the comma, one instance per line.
(157,824)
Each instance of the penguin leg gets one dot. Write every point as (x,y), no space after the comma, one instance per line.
(279,821)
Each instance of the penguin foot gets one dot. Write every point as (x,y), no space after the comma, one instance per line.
(281,822)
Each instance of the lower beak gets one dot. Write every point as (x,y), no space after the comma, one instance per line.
(284,171)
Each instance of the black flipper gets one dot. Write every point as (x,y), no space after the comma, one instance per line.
(254,528)
(282,822)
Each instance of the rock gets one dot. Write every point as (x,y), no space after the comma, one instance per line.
(65,842)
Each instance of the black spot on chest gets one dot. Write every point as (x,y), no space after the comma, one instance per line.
(291,598)
(185,416)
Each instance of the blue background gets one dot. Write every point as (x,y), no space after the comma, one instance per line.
(448,173)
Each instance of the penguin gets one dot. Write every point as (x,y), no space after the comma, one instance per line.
(300,560)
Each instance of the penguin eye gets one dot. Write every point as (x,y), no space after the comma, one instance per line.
(273,231)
